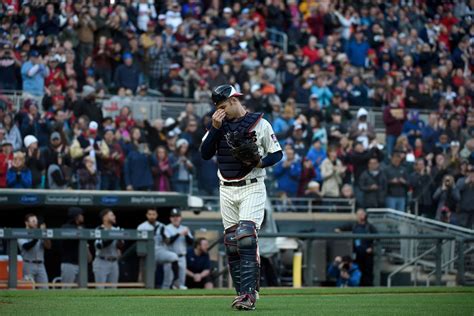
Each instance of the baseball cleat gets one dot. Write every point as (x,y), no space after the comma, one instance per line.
(244,302)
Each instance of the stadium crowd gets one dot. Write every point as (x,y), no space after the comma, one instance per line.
(400,57)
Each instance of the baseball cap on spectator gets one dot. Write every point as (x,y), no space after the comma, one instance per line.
(298,126)
(87,91)
(54,136)
(314,96)
(362,112)
(161,17)
(6,142)
(227,10)
(93,126)
(169,122)
(127,55)
(29,140)
(56,58)
(336,112)
(255,87)
(313,185)
(245,11)
(181,142)
(34,53)
(175,66)
(455,143)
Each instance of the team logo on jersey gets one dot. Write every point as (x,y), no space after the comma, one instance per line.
(274,138)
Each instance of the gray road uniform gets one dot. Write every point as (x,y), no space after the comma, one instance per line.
(162,253)
(32,251)
(105,265)
(178,245)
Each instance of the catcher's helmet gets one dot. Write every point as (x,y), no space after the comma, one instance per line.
(223,92)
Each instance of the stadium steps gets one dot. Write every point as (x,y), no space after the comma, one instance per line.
(408,275)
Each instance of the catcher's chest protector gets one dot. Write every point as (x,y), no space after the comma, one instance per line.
(230,167)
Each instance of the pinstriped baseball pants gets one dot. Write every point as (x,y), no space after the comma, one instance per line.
(246,203)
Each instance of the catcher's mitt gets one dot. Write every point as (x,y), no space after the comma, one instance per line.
(244,147)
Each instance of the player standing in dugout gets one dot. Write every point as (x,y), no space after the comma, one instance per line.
(244,144)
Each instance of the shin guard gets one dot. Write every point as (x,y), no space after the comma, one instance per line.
(246,235)
(233,256)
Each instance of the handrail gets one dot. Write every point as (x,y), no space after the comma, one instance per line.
(422,219)
(446,264)
(407,264)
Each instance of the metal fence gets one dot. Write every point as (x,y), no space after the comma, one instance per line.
(153,107)
(145,241)
(420,255)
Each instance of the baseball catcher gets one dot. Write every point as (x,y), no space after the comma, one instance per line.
(244,144)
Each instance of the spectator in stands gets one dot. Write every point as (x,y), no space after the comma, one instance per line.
(316,155)
(88,106)
(127,75)
(373,184)
(465,186)
(162,170)
(6,159)
(34,161)
(358,94)
(12,132)
(393,117)
(198,265)
(413,127)
(87,176)
(18,175)
(287,172)
(183,167)
(430,133)
(446,196)
(346,272)
(397,184)
(33,73)
(89,144)
(58,173)
(137,168)
(363,248)
(322,91)
(32,123)
(358,49)
(421,183)
(308,173)
(112,164)
(9,65)
(361,130)
(332,171)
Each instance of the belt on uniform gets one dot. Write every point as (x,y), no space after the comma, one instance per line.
(112,259)
(33,261)
(240,183)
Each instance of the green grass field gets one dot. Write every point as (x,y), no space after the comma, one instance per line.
(314,301)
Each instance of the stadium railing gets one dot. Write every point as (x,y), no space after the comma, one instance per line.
(145,242)
(153,107)
(421,254)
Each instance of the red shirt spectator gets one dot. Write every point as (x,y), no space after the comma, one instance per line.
(311,51)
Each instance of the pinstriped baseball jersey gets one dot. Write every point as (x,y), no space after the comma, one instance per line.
(267,143)
(247,203)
